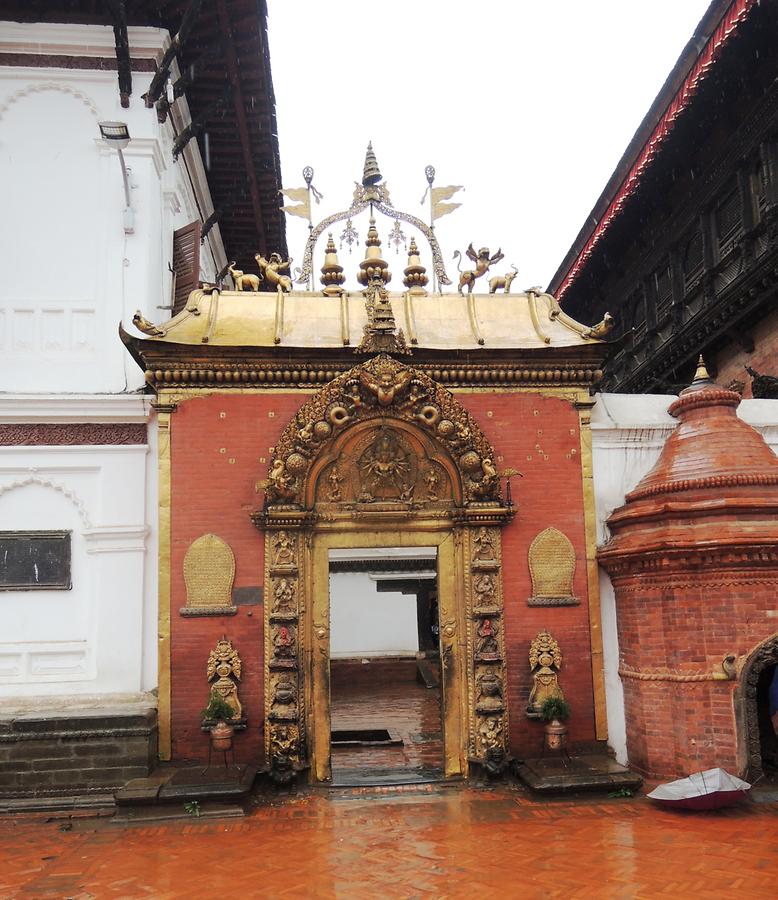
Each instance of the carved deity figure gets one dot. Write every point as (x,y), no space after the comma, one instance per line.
(483,586)
(487,646)
(334,479)
(284,642)
(432,482)
(283,550)
(490,734)
(283,706)
(270,270)
(483,548)
(489,693)
(284,741)
(385,470)
(387,383)
(224,670)
(545,660)
(482,261)
(283,596)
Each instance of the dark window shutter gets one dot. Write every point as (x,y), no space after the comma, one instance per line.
(186,263)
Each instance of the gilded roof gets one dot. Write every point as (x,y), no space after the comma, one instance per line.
(303,319)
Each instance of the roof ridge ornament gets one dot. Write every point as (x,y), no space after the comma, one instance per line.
(373,194)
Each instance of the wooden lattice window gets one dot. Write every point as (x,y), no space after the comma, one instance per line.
(663,279)
(693,259)
(637,311)
(186,263)
(729,221)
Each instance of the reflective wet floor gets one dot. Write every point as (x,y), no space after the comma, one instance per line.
(430,841)
(384,694)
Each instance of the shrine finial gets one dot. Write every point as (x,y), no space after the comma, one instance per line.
(371,174)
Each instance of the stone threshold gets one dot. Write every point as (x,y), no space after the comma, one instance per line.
(560,774)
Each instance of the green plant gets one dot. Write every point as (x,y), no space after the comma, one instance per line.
(193,808)
(218,709)
(554,708)
(621,792)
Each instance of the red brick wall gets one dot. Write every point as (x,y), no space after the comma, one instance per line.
(218,444)
(674,728)
(731,361)
(540,436)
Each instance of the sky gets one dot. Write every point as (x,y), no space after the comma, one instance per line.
(529,105)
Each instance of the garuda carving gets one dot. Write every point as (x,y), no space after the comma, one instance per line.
(376,389)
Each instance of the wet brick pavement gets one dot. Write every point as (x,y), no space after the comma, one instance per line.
(428,841)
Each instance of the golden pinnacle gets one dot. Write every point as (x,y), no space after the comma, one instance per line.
(371,173)
(702,372)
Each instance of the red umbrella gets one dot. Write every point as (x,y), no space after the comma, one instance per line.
(712,789)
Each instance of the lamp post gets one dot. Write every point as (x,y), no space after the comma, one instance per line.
(117,135)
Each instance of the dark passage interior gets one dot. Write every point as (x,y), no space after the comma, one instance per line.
(385,689)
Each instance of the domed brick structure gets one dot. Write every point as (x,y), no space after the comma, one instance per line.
(693,557)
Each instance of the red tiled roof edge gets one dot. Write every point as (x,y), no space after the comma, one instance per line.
(737,12)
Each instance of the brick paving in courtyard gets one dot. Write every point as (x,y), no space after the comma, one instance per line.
(432,841)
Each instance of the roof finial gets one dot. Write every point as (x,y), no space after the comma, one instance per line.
(371,173)
(702,372)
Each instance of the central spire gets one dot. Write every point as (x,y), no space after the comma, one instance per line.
(371,174)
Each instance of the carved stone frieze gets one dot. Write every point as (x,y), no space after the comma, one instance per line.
(72,433)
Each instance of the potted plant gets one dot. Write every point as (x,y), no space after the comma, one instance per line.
(221,713)
(555,711)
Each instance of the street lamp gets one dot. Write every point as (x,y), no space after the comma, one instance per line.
(116,134)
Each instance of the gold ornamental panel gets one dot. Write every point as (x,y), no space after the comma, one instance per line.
(209,573)
(552,567)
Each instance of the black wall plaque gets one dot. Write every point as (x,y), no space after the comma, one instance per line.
(35,560)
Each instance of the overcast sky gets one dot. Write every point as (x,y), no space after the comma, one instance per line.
(529,105)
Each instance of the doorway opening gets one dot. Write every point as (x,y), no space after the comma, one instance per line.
(767,717)
(385,674)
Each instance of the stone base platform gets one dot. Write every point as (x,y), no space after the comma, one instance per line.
(560,774)
(166,791)
(57,757)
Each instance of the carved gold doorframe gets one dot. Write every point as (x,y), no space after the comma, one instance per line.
(383,457)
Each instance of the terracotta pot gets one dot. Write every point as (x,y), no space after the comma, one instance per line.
(221,736)
(556,735)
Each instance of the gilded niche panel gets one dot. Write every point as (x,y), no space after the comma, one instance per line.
(545,661)
(384,465)
(552,567)
(209,573)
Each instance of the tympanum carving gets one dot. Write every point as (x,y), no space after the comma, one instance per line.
(379,388)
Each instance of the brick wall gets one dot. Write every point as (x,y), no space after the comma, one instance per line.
(679,727)
(732,359)
(540,436)
(220,448)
